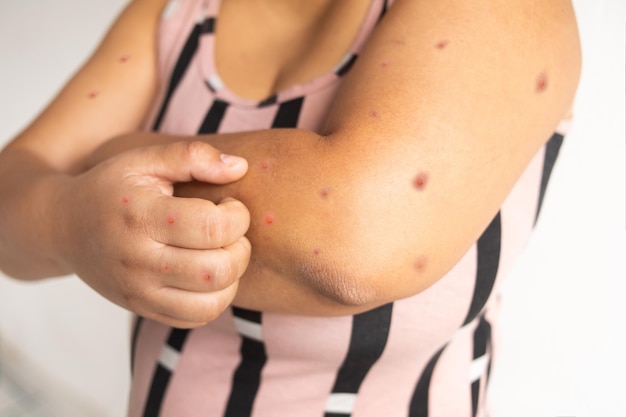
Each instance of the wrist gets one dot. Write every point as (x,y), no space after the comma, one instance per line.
(32,237)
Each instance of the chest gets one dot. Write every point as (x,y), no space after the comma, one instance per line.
(262,47)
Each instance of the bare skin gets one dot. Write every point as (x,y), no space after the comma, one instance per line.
(377,206)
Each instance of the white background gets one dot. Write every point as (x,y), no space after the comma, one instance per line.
(565,313)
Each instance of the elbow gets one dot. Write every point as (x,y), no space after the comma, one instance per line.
(340,285)
(359,279)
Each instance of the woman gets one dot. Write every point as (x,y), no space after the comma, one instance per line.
(397,155)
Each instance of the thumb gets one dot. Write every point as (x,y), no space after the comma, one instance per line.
(189,161)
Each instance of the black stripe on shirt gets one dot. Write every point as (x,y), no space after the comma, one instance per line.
(288,113)
(214,116)
(552,152)
(187,54)
(370,331)
(346,65)
(208,26)
(249,315)
(482,338)
(160,380)
(420,400)
(133,342)
(383,10)
(268,101)
(247,377)
(162,375)
(488,261)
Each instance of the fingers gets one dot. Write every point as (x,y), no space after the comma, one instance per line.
(199,286)
(196,223)
(187,288)
(188,223)
(178,260)
(188,161)
(183,309)
(206,270)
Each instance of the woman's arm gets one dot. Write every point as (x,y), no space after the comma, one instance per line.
(440,115)
(436,121)
(116,226)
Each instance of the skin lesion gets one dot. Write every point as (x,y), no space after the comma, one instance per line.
(265,165)
(375,114)
(542,83)
(420,264)
(269,219)
(420,181)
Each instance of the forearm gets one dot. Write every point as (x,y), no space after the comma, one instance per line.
(300,192)
(315,249)
(30,223)
(335,229)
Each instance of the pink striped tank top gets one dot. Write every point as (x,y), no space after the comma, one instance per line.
(427,355)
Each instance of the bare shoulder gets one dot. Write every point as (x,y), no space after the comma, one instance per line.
(529,31)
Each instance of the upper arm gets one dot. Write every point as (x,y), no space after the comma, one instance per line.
(442,112)
(108,96)
(432,127)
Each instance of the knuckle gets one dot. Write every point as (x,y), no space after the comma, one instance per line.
(127,263)
(225,271)
(224,225)
(204,313)
(129,299)
(212,305)
(196,149)
(216,227)
(240,211)
(132,221)
(246,248)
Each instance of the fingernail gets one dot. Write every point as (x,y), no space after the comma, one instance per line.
(231,160)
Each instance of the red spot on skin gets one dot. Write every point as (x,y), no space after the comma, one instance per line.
(124,58)
(420,264)
(125,200)
(384,64)
(374,114)
(420,181)
(171,220)
(265,165)
(542,83)
(325,192)
(316,251)
(93,94)
(269,219)
(442,44)
(166,268)
(206,277)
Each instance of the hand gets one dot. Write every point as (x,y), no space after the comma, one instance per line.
(175,260)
